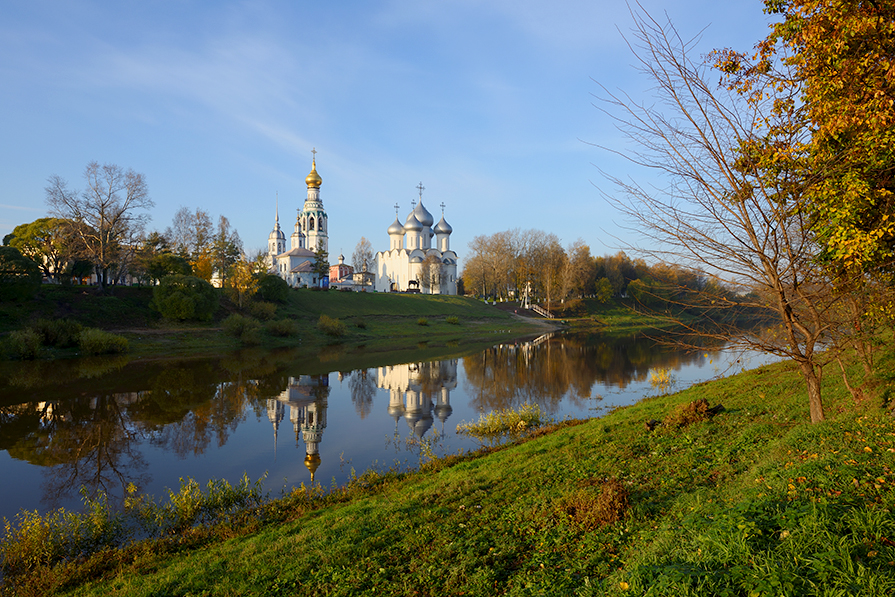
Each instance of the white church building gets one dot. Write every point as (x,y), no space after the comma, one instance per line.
(412,262)
(310,234)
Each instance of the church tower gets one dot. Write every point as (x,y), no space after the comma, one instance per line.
(312,217)
(276,241)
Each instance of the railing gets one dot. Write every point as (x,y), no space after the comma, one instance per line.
(542,312)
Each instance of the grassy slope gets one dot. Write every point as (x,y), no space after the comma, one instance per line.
(390,320)
(752,502)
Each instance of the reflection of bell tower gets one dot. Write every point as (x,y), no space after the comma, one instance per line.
(307,397)
(275,411)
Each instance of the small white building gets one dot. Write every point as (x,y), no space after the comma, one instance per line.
(412,262)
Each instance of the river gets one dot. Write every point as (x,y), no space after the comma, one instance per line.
(103,424)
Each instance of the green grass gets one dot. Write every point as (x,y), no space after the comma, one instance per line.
(750,501)
(388,321)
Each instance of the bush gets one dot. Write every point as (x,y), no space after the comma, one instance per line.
(19,276)
(273,288)
(262,310)
(24,344)
(237,325)
(185,297)
(282,327)
(360,323)
(422,321)
(331,327)
(94,342)
(61,333)
(453,320)
(589,509)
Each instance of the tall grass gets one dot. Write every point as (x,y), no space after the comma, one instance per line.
(498,425)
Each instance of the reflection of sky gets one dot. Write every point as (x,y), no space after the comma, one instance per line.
(383,438)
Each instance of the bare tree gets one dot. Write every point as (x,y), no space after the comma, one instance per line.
(106,214)
(724,209)
(431,274)
(191,232)
(362,260)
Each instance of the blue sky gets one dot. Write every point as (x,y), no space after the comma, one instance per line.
(219,103)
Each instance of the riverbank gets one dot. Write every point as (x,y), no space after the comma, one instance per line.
(750,499)
(371,321)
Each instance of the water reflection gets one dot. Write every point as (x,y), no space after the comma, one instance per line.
(152,423)
(306,396)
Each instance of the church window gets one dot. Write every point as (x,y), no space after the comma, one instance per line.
(311,223)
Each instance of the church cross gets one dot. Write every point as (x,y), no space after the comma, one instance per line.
(397,207)
(314,151)
(421,188)
(442,208)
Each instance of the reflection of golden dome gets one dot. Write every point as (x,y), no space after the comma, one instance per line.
(312,462)
(313,179)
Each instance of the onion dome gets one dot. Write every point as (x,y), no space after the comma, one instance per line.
(442,227)
(396,227)
(422,214)
(313,179)
(277,234)
(312,463)
(413,224)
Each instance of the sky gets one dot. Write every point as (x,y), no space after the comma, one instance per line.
(490,104)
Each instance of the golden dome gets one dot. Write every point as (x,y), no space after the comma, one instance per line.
(312,461)
(313,179)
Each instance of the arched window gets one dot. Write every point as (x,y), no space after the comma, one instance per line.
(311,223)
(321,224)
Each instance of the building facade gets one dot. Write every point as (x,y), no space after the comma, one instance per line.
(412,263)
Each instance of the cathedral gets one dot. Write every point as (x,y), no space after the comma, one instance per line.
(296,265)
(412,263)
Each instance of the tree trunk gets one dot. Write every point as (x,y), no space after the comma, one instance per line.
(812,381)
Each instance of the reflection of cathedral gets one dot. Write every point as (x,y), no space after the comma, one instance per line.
(419,392)
(306,396)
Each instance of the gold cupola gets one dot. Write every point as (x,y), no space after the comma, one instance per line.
(313,179)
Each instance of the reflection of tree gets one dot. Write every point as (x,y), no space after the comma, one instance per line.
(507,376)
(362,385)
(84,442)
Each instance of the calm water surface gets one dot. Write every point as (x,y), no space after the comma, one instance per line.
(102,424)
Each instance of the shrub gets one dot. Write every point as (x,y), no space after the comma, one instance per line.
(61,333)
(19,276)
(94,342)
(453,320)
(360,323)
(24,344)
(185,297)
(331,327)
(273,288)
(422,321)
(262,310)
(282,327)
(237,325)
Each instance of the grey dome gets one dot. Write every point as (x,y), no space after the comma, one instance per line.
(412,223)
(442,227)
(396,227)
(423,215)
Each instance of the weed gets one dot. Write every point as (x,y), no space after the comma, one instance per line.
(422,321)
(493,427)
(360,323)
(662,379)
(452,319)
